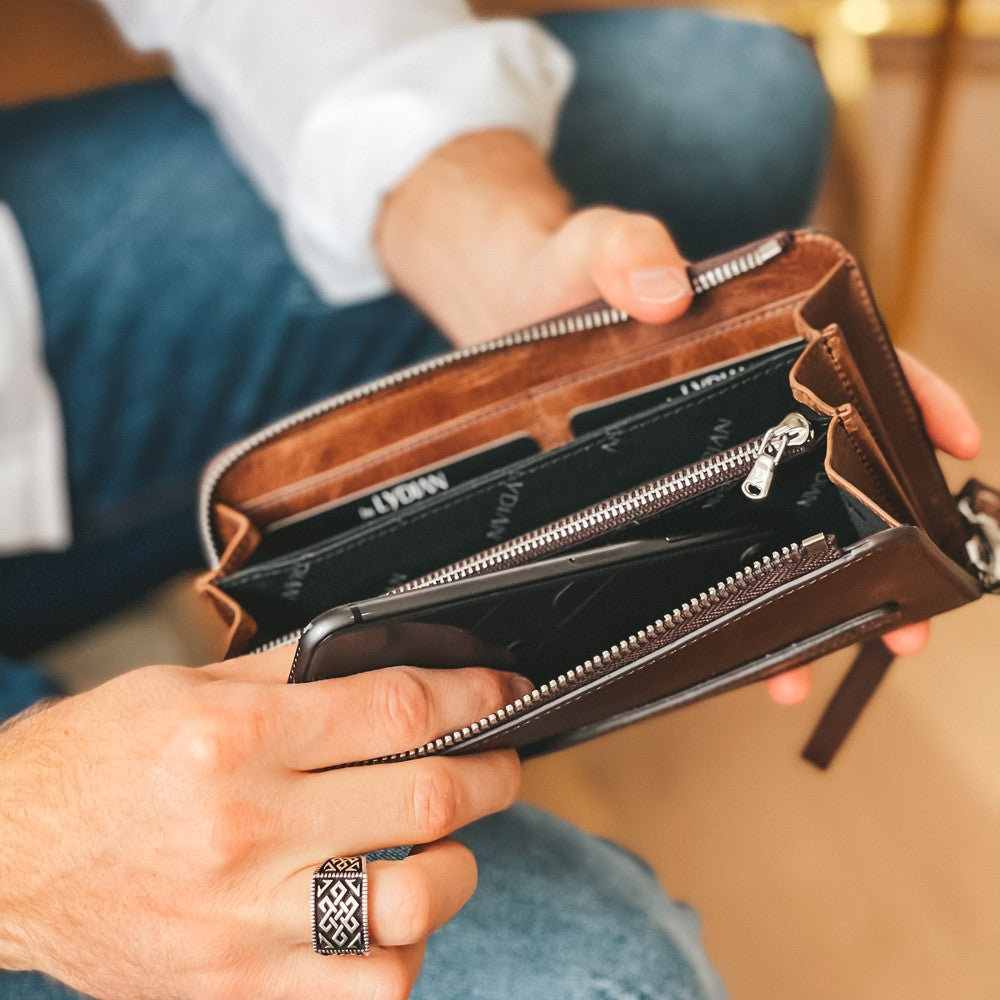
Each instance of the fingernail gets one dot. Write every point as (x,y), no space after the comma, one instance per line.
(660,284)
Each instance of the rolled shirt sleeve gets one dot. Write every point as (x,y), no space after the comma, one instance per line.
(329,104)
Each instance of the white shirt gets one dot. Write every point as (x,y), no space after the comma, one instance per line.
(328,105)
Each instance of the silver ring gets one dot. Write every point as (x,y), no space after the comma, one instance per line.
(340,907)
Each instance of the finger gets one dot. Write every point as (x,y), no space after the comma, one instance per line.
(908,639)
(637,267)
(358,809)
(407,900)
(410,899)
(790,687)
(270,667)
(629,259)
(947,419)
(386,972)
(309,726)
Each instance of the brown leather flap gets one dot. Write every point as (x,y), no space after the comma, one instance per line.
(862,370)
(894,577)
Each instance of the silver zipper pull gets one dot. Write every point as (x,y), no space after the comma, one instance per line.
(793,430)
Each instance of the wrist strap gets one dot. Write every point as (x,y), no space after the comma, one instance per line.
(855,691)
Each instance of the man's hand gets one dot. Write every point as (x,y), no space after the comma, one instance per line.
(483,238)
(158,834)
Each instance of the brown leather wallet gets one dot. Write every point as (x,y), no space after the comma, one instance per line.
(776,403)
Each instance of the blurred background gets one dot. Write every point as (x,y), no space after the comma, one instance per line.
(879,879)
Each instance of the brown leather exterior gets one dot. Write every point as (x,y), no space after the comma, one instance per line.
(895,577)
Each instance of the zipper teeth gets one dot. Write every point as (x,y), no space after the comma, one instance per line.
(622,652)
(648,498)
(559,326)
(749,260)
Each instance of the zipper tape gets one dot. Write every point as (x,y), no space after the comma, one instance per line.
(793,436)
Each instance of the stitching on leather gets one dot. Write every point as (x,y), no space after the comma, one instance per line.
(240,552)
(887,504)
(695,337)
(891,365)
(561,704)
(877,476)
(342,546)
(835,643)
(807,655)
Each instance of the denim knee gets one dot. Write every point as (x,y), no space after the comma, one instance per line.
(718,126)
(559,913)
(22,685)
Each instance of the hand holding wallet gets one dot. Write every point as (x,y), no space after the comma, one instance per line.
(776,403)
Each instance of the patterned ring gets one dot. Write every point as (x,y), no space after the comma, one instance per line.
(340,907)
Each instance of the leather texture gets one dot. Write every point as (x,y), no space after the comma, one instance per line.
(877,456)
(847,703)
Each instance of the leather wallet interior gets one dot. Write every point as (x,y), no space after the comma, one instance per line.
(387,485)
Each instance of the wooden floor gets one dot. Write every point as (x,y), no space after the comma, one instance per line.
(879,879)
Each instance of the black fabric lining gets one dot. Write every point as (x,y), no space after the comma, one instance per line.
(286,593)
(716,419)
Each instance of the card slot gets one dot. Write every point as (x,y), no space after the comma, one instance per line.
(313,526)
(327,479)
(284,592)
(595,416)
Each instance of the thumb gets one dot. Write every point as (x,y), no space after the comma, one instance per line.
(627,259)
(637,268)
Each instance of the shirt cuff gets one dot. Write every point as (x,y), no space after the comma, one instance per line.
(34,503)
(369,133)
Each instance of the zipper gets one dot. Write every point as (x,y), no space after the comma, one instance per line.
(794,430)
(765,574)
(792,436)
(709,274)
(719,270)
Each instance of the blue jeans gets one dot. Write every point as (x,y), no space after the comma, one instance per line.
(175,322)
(557,915)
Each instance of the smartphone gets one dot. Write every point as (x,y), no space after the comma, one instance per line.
(539,620)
